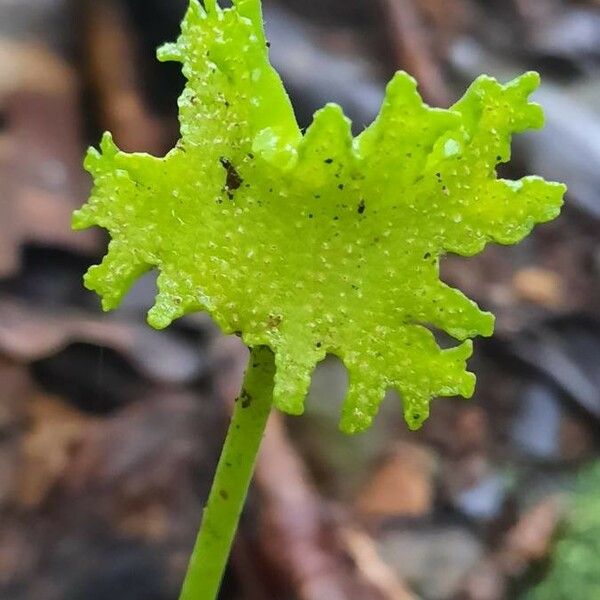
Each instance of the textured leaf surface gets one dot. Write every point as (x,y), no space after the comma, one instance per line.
(319,242)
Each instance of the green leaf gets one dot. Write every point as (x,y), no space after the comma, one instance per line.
(317,243)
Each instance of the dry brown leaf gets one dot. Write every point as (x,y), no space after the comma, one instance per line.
(531,537)
(32,67)
(30,333)
(301,539)
(41,179)
(402,486)
(137,469)
(54,432)
(470,430)
(542,286)
(16,388)
(528,541)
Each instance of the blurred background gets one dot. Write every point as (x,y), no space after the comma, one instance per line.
(110,431)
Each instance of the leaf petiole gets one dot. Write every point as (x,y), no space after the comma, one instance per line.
(232,479)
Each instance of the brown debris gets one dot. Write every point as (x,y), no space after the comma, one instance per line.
(530,539)
(137,472)
(365,555)
(15,390)
(16,387)
(577,442)
(541,286)
(122,108)
(18,552)
(450,18)
(402,486)
(54,432)
(33,68)
(527,542)
(30,333)
(41,181)
(301,540)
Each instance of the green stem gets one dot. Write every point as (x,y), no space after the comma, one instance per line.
(232,479)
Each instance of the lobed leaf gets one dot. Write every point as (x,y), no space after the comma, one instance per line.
(319,242)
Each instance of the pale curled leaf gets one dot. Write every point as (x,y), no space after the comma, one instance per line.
(317,243)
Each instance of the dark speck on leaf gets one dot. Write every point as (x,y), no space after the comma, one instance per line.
(328,161)
(319,344)
(233,180)
(274,321)
(341,186)
(268,44)
(361,207)
(246,399)
(427,255)
(310,216)
(223,494)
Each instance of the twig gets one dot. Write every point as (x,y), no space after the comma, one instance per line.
(412,51)
(113,73)
(364,553)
